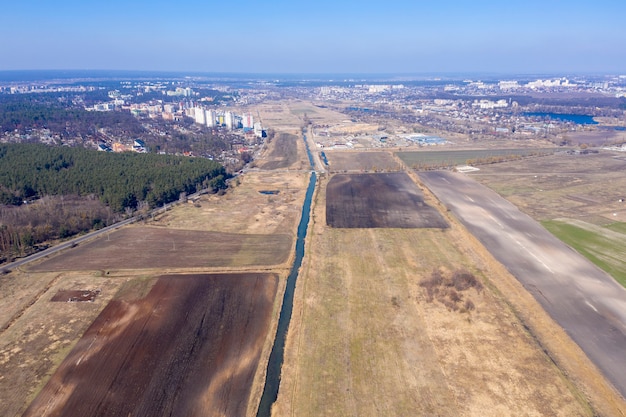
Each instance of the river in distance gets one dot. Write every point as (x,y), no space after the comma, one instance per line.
(579,119)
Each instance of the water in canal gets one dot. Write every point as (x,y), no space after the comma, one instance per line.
(275,363)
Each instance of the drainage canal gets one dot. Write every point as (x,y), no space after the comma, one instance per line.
(275,363)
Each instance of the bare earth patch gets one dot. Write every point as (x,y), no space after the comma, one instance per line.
(361,161)
(75,296)
(378,200)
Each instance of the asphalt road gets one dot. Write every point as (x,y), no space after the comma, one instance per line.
(584,300)
(74,242)
(65,245)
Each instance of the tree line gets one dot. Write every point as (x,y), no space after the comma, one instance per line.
(120,180)
(118,183)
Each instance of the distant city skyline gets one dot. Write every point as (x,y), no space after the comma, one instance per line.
(395,36)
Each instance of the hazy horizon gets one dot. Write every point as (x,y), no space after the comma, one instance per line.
(336,37)
(61,75)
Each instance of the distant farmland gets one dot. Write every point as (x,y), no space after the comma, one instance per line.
(441,159)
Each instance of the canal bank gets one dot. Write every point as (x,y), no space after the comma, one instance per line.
(275,362)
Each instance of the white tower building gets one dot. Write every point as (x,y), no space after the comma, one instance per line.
(199,115)
(248,121)
(210,117)
(229,120)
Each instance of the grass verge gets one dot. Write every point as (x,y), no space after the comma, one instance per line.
(604,246)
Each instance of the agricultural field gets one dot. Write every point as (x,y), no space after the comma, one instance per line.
(341,161)
(238,232)
(384,325)
(145,247)
(184,348)
(451,158)
(378,200)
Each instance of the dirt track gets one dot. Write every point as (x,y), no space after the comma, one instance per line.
(378,200)
(188,348)
(584,300)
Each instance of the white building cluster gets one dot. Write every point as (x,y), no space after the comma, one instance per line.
(489,104)
(213,118)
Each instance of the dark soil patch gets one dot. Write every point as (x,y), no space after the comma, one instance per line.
(339,161)
(378,201)
(189,348)
(449,291)
(72,296)
(153,247)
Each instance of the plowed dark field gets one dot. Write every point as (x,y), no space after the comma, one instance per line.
(359,161)
(190,347)
(153,247)
(390,200)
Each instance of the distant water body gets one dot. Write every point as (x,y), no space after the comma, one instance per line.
(579,119)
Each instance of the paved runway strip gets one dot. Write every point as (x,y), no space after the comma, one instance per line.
(588,303)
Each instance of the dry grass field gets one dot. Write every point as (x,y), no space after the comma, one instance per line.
(367,339)
(145,247)
(285,151)
(584,187)
(244,209)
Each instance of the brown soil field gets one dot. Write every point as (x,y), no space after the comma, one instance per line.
(584,187)
(339,161)
(145,247)
(366,340)
(190,347)
(378,200)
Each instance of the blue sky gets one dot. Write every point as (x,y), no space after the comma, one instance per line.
(385,36)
